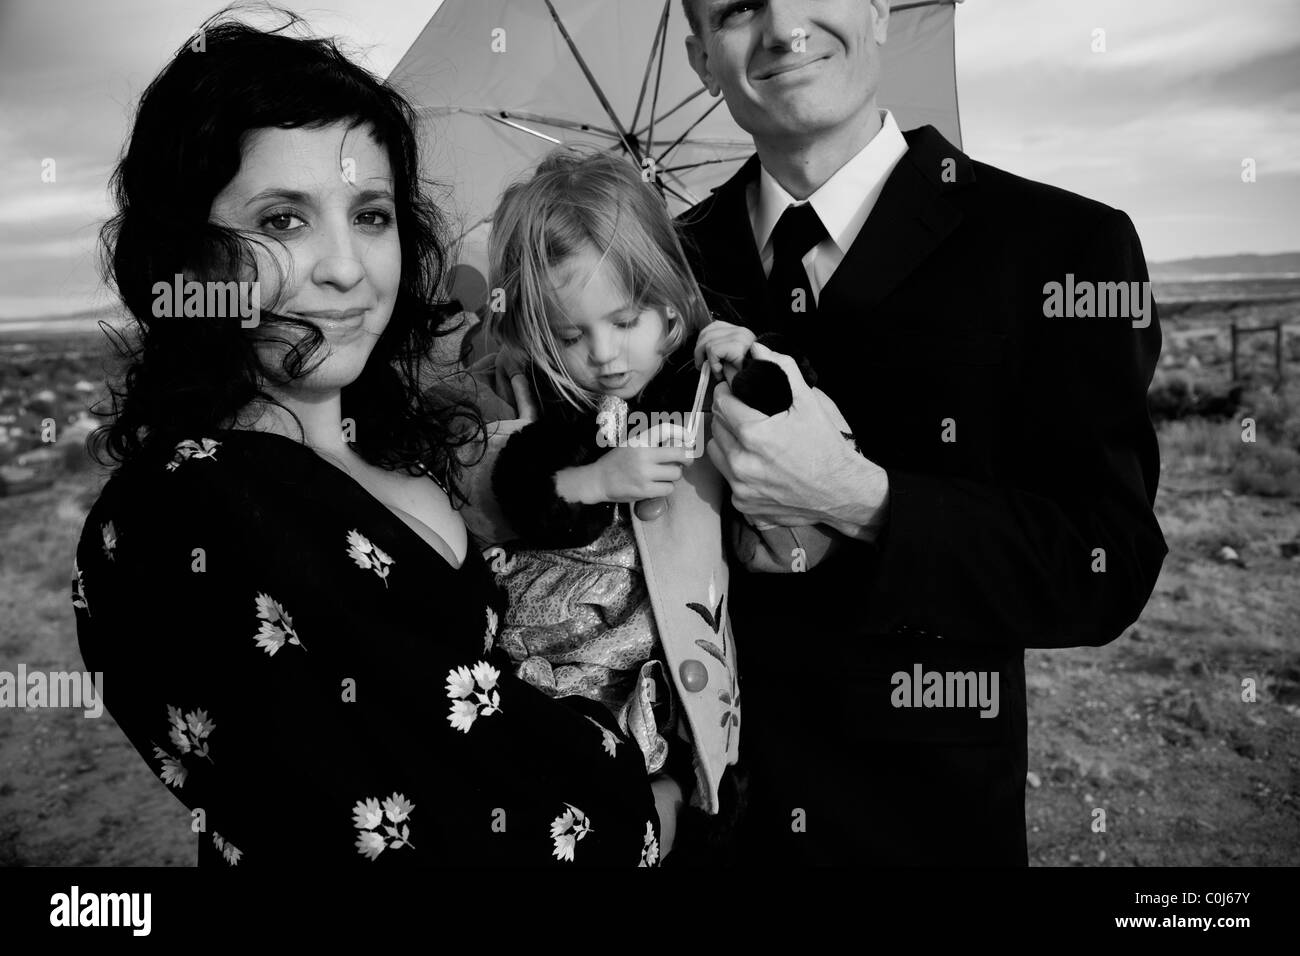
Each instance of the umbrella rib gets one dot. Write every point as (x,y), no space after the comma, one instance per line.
(703,162)
(687,132)
(689,198)
(923,3)
(654,101)
(522,128)
(628,143)
(550,121)
(674,109)
(660,34)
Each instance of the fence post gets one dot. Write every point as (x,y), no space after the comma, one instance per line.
(1234,350)
(1277,353)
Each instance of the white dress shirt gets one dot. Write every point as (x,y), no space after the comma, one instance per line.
(842,203)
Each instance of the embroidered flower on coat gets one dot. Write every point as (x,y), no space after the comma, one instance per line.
(650,852)
(276,628)
(109,534)
(490,635)
(189,448)
(486,700)
(228,850)
(188,734)
(368,815)
(369,556)
(608,737)
(79,590)
(566,830)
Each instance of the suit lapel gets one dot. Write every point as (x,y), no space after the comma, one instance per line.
(728,264)
(911,218)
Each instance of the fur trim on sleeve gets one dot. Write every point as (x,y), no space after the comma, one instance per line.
(524,484)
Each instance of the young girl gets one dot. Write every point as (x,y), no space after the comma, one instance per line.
(617,603)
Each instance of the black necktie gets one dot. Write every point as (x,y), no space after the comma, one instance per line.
(797,231)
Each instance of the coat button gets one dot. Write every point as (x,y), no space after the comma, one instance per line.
(694,675)
(648,509)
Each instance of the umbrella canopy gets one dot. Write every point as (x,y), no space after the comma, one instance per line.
(498,83)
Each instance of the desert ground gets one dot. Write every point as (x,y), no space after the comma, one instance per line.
(1152,729)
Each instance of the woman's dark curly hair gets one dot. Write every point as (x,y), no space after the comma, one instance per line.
(184,378)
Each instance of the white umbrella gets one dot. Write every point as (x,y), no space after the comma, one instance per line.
(498,83)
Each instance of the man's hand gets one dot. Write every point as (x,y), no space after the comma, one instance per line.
(796,468)
(722,343)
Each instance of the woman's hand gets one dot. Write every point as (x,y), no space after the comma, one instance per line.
(647,467)
(668,802)
(722,343)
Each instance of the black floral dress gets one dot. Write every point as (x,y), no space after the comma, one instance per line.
(317,684)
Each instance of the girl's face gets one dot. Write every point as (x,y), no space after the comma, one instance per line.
(609,346)
(327,195)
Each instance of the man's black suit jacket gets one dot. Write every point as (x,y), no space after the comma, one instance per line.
(1031,526)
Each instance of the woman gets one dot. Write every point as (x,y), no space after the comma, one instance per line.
(275,583)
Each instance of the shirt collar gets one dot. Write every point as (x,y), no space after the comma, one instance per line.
(839,200)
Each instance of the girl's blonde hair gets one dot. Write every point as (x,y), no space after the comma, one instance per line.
(575,198)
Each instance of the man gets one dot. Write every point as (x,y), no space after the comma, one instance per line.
(1000,496)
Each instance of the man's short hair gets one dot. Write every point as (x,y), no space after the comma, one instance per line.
(692,17)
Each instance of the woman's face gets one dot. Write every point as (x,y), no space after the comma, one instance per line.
(609,345)
(327,195)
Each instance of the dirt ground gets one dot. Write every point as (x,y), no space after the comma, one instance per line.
(1151,729)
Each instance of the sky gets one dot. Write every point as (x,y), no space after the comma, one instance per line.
(1158,123)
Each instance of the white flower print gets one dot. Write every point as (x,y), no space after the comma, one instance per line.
(79,590)
(276,628)
(189,448)
(487,699)
(367,816)
(490,635)
(608,737)
(109,534)
(566,830)
(369,556)
(228,850)
(189,734)
(650,852)
(173,774)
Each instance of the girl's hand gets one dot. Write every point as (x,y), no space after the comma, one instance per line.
(722,343)
(648,467)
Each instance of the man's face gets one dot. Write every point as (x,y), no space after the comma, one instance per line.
(791,69)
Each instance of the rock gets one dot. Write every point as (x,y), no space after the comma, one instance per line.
(1198,669)
(1290,549)
(1033,780)
(1242,747)
(1101,856)
(1180,593)
(1074,858)
(1228,555)
(1134,634)
(1196,718)
(1159,664)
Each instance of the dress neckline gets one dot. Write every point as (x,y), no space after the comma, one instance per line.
(375,502)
